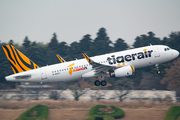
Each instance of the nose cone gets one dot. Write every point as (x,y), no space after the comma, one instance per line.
(175,53)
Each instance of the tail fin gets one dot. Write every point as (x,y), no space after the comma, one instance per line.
(18,61)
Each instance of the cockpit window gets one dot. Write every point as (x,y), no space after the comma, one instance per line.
(166,49)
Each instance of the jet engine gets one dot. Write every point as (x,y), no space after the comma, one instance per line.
(123,71)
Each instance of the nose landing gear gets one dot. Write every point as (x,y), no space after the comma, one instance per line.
(157,68)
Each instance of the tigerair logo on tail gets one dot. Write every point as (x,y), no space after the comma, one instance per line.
(18,61)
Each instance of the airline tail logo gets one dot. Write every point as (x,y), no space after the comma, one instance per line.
(18,61)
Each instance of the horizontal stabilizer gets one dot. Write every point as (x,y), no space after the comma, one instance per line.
(23,77)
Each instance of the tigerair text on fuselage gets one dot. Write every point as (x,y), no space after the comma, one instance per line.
(129,57)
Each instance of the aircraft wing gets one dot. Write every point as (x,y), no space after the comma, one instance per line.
(100,68)
(60,58)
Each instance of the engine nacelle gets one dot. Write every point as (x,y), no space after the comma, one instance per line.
(123,71)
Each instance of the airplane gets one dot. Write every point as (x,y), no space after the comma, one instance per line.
(117,64)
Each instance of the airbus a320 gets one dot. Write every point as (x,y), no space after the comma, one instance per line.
(117,64)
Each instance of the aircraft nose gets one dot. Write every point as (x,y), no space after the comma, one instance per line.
(175,53)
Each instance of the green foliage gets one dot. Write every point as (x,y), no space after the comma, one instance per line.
(38,112)
(27,42)
(101,44)
(54,42)
(173,113)
(105,112)
(145,40)
(173,40)
(120,45)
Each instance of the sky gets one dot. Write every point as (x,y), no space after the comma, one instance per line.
(72,19)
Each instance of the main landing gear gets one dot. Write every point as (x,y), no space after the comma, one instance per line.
(102,83)
(98,83)
(157,68)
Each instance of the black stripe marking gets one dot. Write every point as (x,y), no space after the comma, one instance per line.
(14,67)
(30,66)
(16,59)
(9,54)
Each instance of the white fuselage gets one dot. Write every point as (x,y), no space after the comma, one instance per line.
(74,70)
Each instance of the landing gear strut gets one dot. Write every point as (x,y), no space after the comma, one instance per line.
(157,68)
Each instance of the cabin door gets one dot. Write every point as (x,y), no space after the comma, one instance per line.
(156,52)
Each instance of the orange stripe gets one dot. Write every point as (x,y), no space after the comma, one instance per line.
(24,57)
(86,57)
(132,69)
(15,64)
(59,58)
(13,70)
(19,61)
(35,66)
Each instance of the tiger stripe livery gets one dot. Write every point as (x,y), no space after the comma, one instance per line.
(18,61)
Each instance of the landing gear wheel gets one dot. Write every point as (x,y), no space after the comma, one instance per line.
(103,83)
(97,83)
(158,72)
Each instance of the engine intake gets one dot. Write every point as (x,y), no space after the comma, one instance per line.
(123,71)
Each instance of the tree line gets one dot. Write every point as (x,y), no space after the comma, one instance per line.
(44,54)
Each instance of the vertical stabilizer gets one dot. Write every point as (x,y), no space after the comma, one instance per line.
(18,61)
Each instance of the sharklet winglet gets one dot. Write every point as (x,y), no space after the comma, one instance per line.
(87,58)
(60,58)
